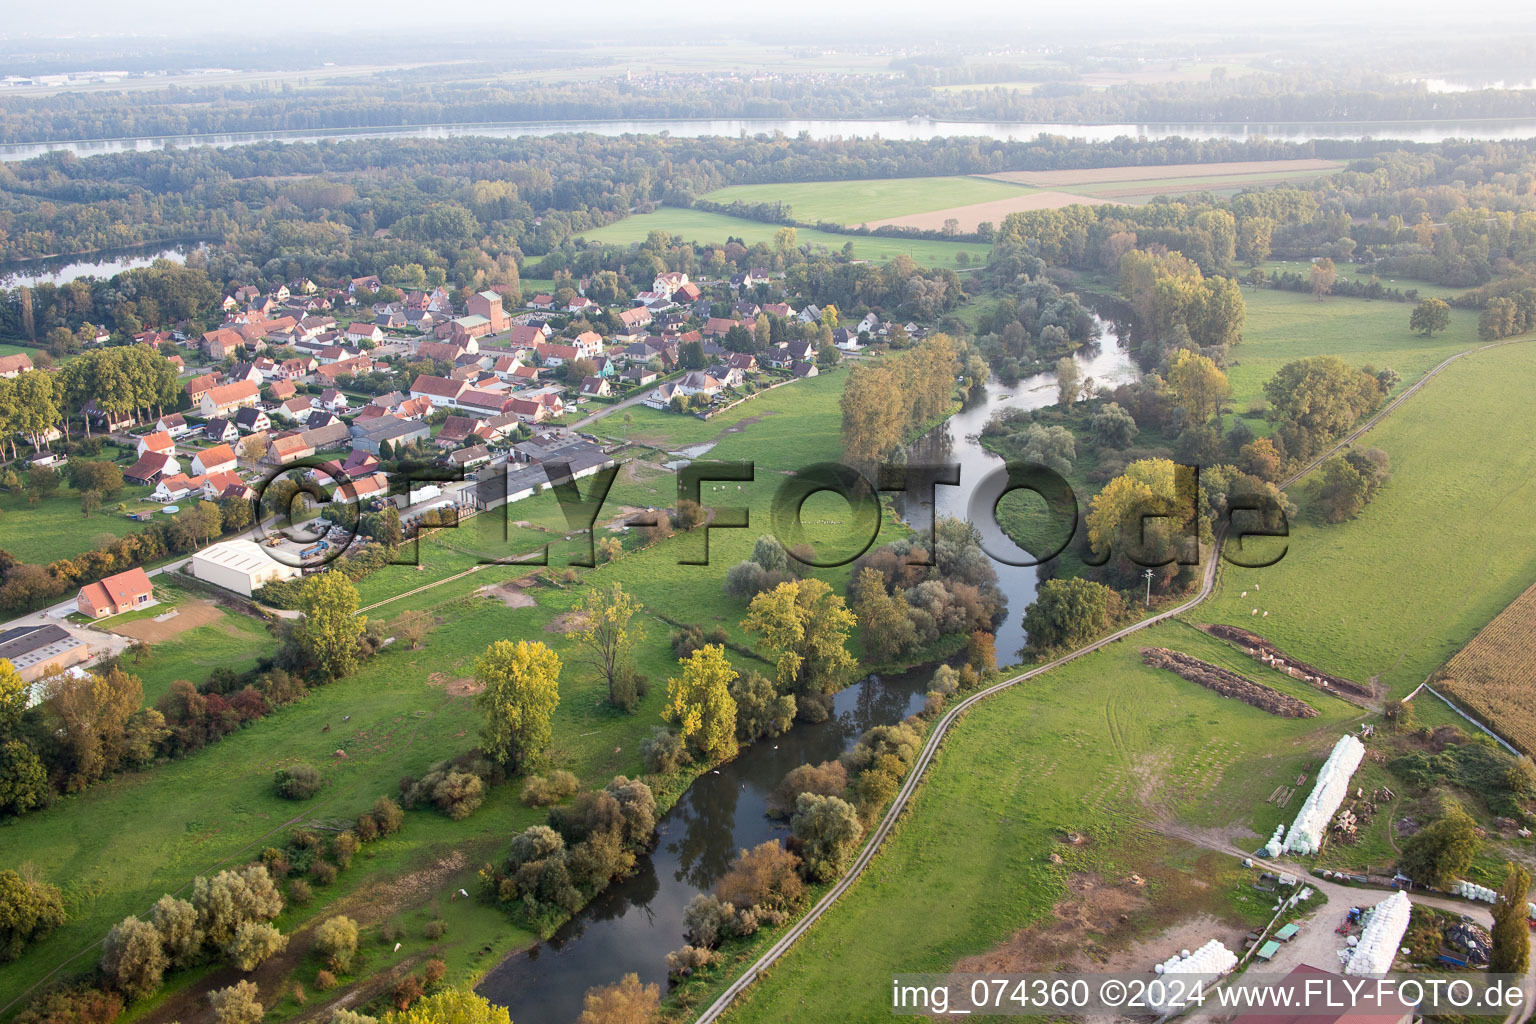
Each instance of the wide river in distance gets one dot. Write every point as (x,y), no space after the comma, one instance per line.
(907,130)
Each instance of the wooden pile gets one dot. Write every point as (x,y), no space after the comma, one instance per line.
(1266,652)
(1228,684)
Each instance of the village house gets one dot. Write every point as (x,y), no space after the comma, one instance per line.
(226,398)
(281,390)
(360,332)
(457,430)
(595,387)
(150,468)
(469,458)
(220,458)
(160,442)
(175,424)
(332,400)
(249,421)
(221,343)
(15,366)
(175,488)
(288,447)
(116,594)
(441,392)
(221,430)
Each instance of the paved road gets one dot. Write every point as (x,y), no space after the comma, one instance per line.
(936,736)
(609,410)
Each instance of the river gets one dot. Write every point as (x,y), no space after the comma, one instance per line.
(908,130)
(958,442)
(633,924)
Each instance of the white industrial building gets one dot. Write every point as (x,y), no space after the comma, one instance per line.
(241,566)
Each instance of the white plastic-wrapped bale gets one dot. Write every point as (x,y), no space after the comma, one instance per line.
(1332,786)
(1210,960)
(1381,936)
(1473,891)
(1276,842)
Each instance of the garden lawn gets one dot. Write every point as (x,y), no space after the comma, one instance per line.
(1093,748)
(1445,545)
(855,202)
(700,226)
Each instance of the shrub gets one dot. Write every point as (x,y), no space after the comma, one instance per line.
(683,962)
(254,943)
(434,930)
(74,1004)
(433,971)
(664,752)
(541,791)
(406,991)
(456,793)
(388,816)
(767,876)
(344,848)
(707,920)
(297,782)
(236,1004)
(323,872)
(336,941)
(829,778)
(299,892)
(325,980)
(826,830)
(133,959)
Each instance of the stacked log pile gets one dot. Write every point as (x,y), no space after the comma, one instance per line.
(1228,684)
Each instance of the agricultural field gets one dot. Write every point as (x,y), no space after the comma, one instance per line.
(1390,595)
(871,200)
(1491,676)
(700,226)
(1138,184)
(1101,749)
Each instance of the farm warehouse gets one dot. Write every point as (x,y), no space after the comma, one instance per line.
(239,565)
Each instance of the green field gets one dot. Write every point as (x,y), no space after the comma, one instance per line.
(1093,748)
(1285,326)
(697,225)
(1444,546)
(855,202)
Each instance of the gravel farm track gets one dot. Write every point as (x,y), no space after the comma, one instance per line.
(936,736)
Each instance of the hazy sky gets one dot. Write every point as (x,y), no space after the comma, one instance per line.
(271,19)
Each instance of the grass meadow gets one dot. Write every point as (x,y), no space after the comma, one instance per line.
(701,226)
(1285,326)
(1444,546)
(854,202)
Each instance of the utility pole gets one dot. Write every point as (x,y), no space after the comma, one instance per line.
(1148,574)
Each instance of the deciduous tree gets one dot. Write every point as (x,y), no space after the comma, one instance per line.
(700,702)
(521,689)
